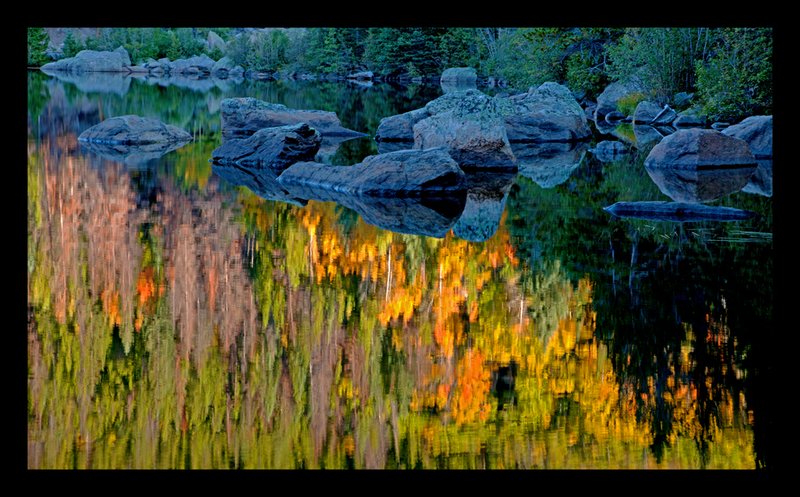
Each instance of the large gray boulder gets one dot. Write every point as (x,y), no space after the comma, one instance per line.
(133,130)
(607,101)
(645,112)
(757,132)
(242,117)
(458,78)
(93,61)
(459,74)
(700,165)
(274,148)
(197,65)
(473,132)
(226,68)
(690,118)
(402,173)
(548,113)
(215,41)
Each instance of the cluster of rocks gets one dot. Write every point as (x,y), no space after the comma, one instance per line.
(119,61)
(694,166)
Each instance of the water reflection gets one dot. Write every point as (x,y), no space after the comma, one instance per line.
(180,321)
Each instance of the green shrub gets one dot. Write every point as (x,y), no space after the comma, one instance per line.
(627,104)
(736,82)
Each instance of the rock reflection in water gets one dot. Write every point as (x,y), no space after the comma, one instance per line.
(262,182)
(761,181)
(430,216)
(94,82)
(486,201)
(697,184)
(548,164)
(131,155)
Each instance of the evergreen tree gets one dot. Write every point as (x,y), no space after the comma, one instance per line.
(37,47)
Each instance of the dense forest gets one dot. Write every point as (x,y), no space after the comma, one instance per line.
(730,69)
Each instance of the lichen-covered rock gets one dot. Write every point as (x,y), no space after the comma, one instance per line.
(757,132)
(133,130)
(274,148)
(244,116)
(548,113)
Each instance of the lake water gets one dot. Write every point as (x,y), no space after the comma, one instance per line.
(180,317)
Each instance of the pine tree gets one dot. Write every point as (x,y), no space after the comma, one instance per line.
(37,46)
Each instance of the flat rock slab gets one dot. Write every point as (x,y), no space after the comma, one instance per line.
(677,211)
(275,148)
(241,117)
(133,130)
(402,173)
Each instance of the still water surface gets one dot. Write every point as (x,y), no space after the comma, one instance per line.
(179,318)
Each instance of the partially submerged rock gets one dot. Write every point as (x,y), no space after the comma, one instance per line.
(700,148)
(458,78)
(645,112)
(93,61)
(665,117)
(677,211)
(475,140)
(133,130)
(400,127)
(757,132)
(402,173)
(274,148)
(548,113)
(94,82)
(199,65)
(242,117)
(608,100)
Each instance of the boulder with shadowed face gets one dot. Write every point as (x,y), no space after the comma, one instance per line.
(274,148)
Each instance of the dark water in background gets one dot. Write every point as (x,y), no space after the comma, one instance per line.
(180,320)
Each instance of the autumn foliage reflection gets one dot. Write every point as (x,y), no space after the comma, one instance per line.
(192,327)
